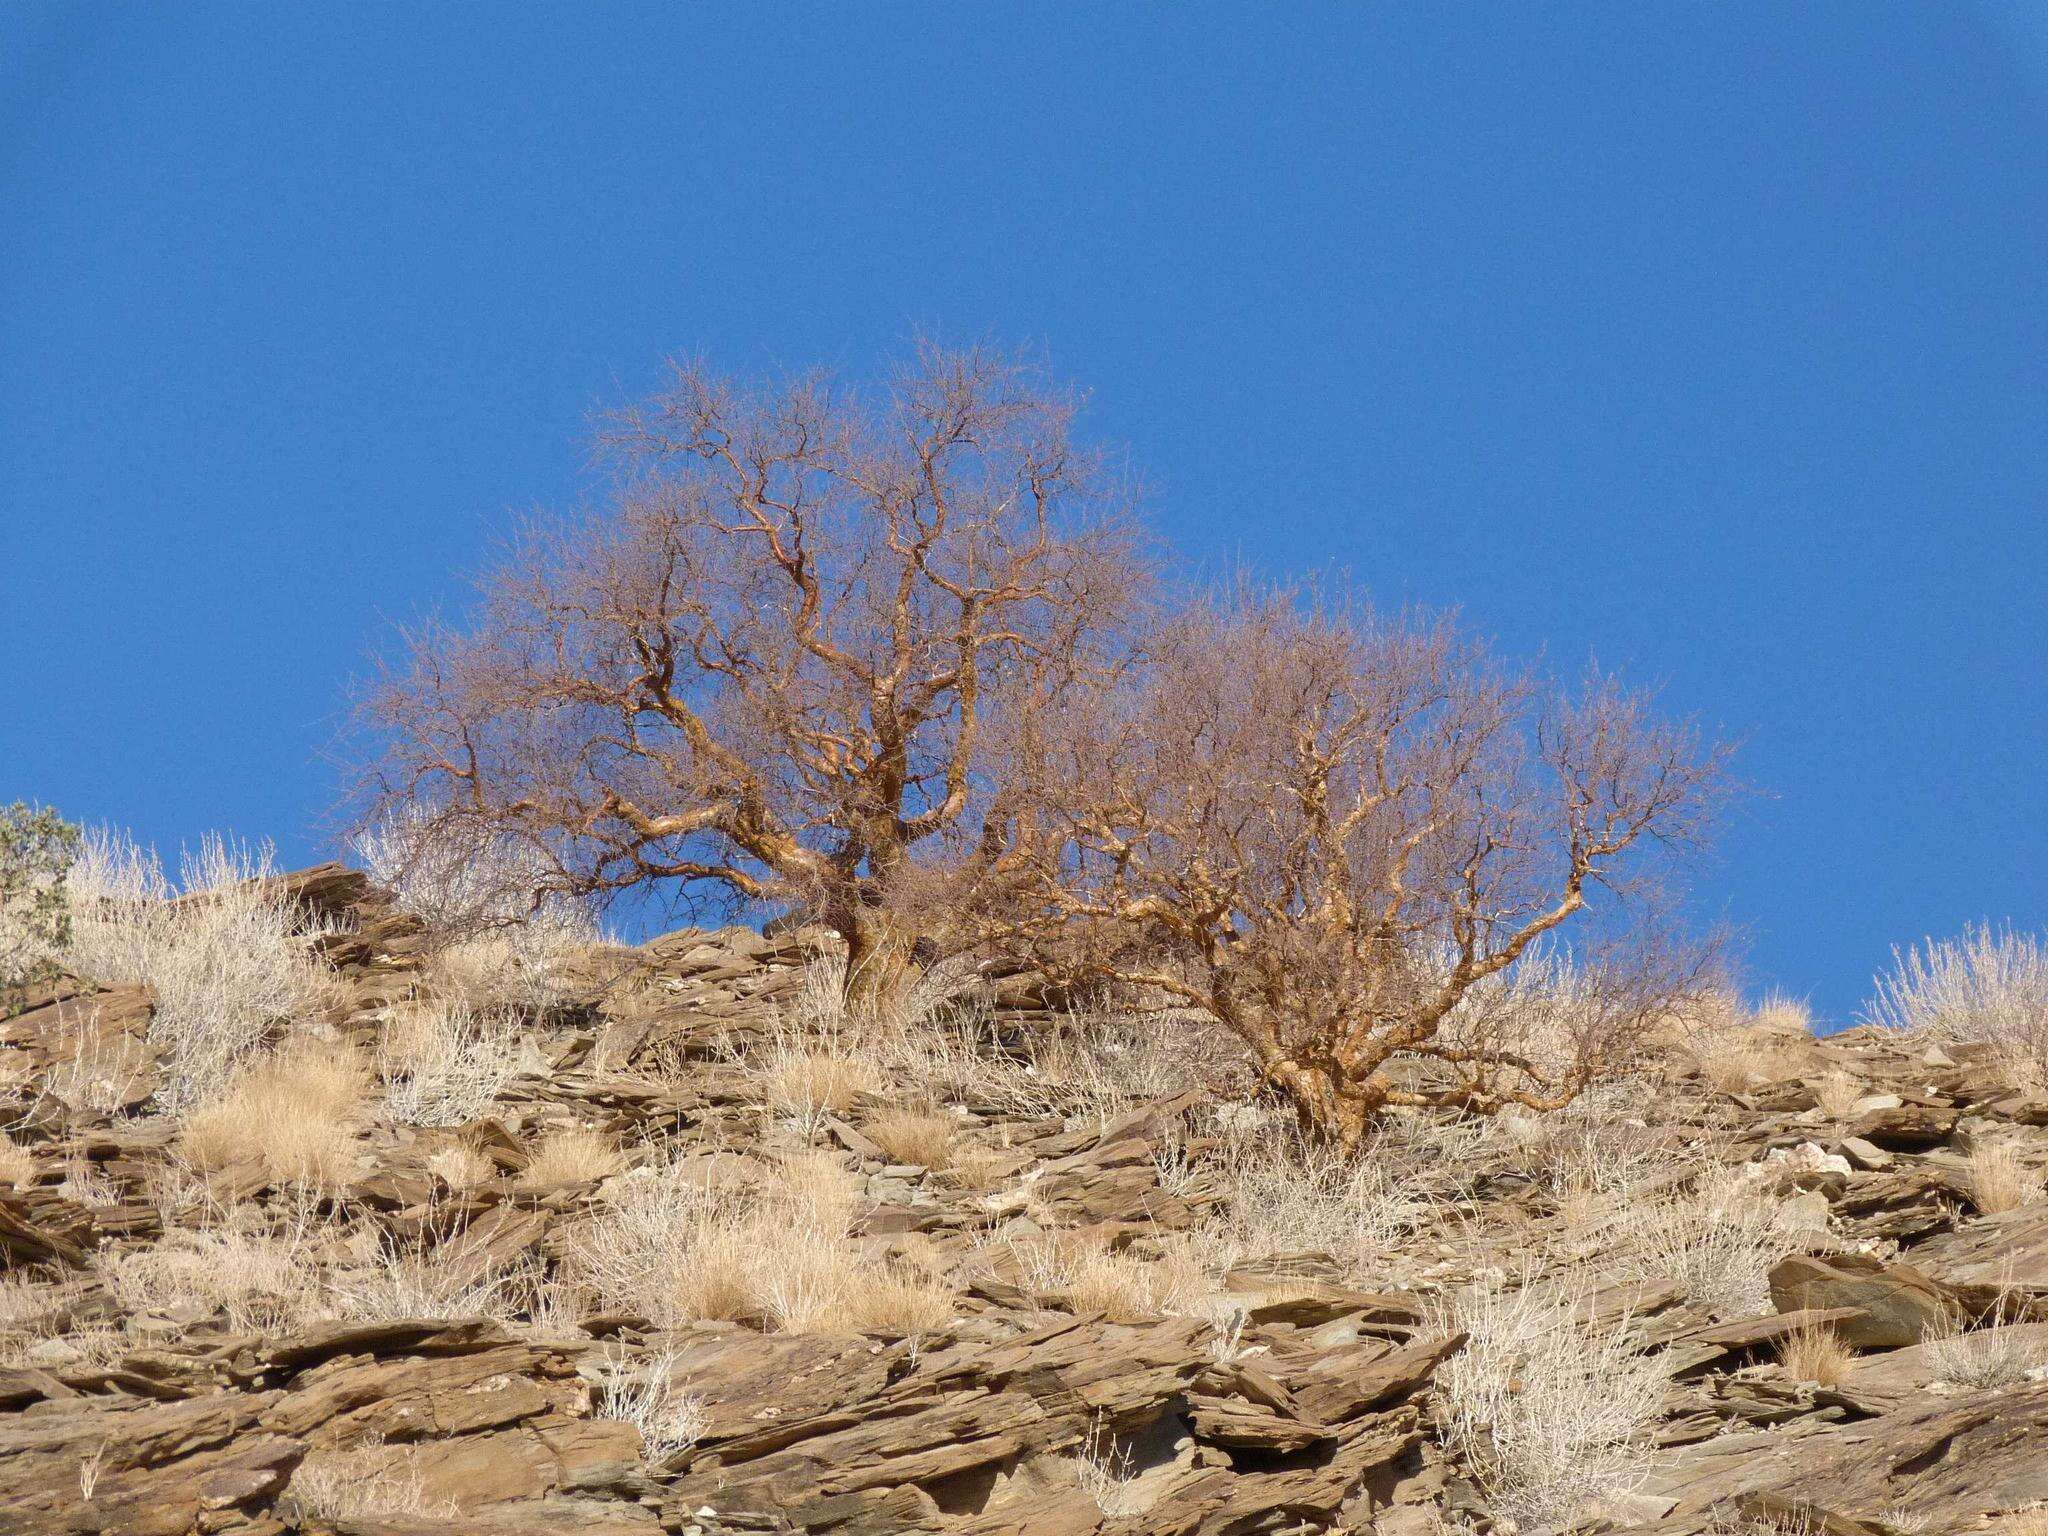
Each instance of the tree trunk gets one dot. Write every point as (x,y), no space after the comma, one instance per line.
(881,966)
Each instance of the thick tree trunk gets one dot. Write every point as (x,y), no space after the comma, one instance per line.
(881,965)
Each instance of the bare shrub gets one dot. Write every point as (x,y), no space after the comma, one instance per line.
(1817,1355)
(446,1063)
(781,664)
(1337,834)
(572,1155)
(2001,1179)
(1990,986)
(645,1395)
(296,1113)
(1549,1411)
(228,959)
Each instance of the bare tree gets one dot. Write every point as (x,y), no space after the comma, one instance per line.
(776,664)
(1350,840)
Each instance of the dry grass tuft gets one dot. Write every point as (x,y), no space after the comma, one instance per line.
(1817,1355)
(295,1114)
(914,1136)
(228,960)
(571,1156)
(2001,1180)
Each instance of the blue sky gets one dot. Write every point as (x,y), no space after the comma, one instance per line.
(1708,340)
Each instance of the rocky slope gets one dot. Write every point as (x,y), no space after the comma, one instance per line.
(1288,1390)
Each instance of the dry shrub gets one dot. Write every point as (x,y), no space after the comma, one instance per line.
(573,1155)
(17,1163)
(445,1063)
(228,959)
(295,1113)
(1988,987)
(2000,1179)
(1549,1411)
(913,1136)
(1817,1355)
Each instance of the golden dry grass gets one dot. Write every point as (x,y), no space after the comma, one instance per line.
(295,1114)
(1817,1355)
(573,1155)
(2000,1180)
(914,1136)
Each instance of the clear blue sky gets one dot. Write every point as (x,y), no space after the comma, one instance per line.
(1706,339)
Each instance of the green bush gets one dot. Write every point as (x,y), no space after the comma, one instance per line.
(36,850)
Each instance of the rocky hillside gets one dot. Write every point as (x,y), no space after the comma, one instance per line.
(667,1243)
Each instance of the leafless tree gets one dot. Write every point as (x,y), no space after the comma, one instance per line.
(1350,840)
(779,662)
